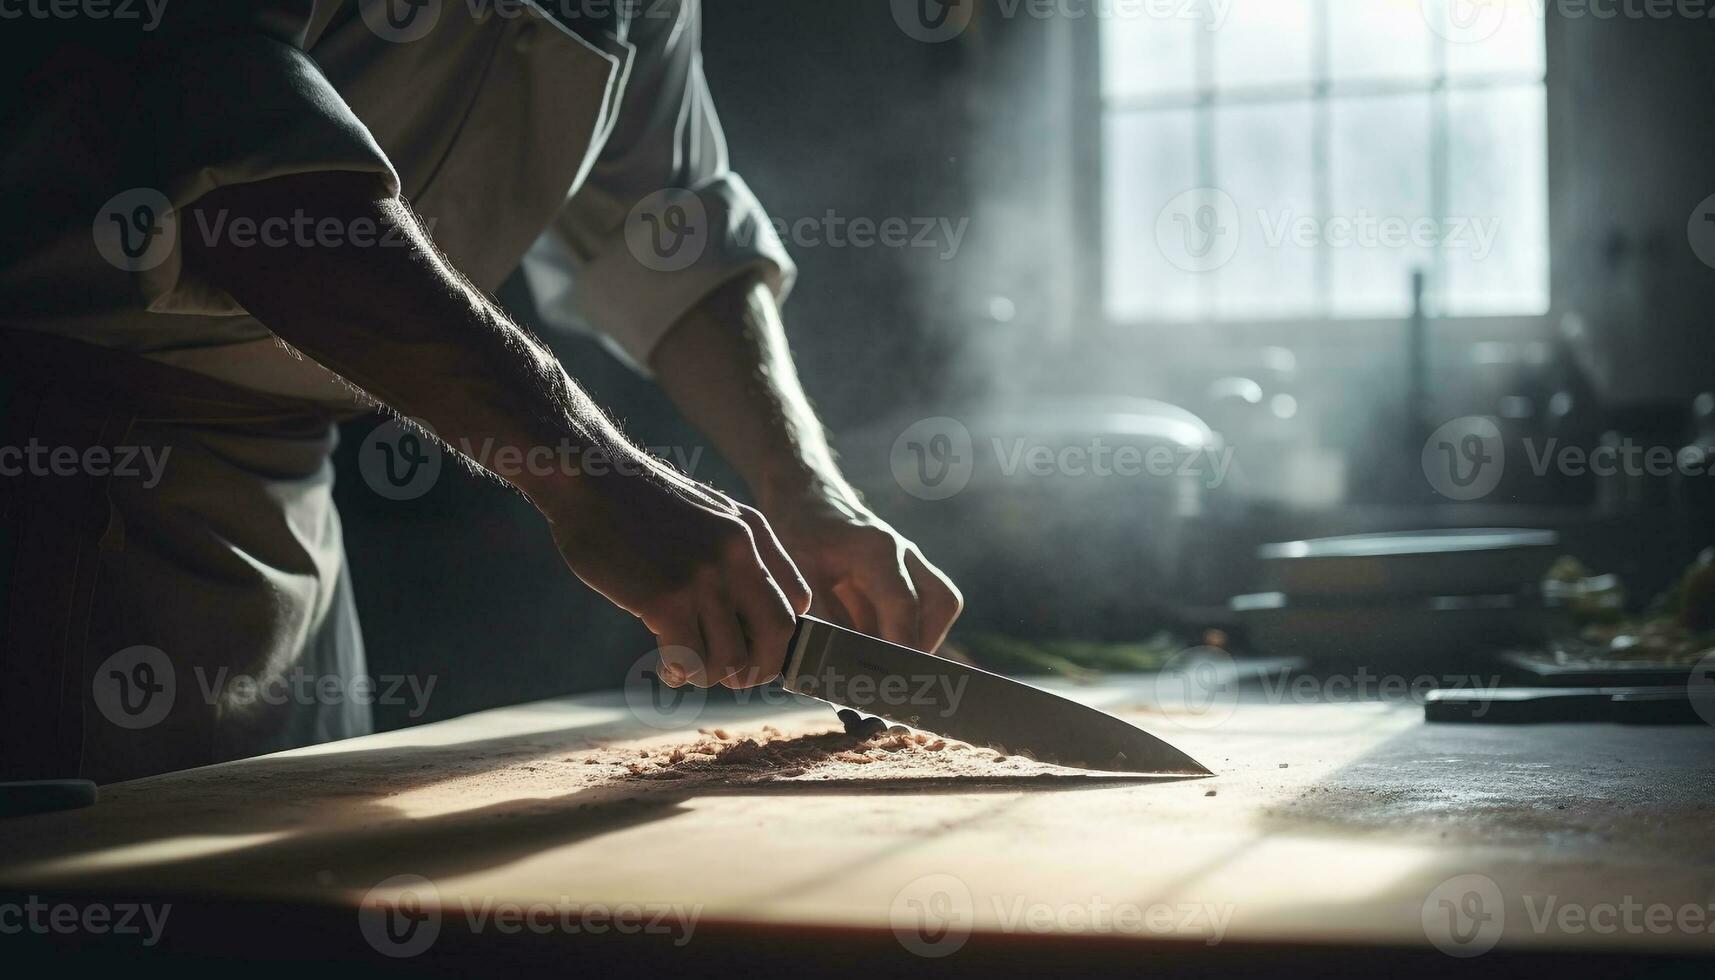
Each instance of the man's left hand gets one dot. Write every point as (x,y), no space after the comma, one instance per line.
(863,573)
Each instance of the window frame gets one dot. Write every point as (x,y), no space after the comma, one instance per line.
(1091,108)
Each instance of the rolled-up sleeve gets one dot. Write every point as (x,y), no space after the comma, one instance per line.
(661,220)
(277,114)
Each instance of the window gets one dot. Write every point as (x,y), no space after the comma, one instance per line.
(1299,159)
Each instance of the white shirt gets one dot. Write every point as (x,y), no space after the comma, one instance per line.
(592,149)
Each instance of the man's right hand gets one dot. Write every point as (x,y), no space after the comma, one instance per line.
(703,572)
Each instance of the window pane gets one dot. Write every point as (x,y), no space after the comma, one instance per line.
(1492,36)
(1497,169)
(1263,42)
(1379,184)
(1148,55)
(1149,158)
(1380,39)
(1263,159)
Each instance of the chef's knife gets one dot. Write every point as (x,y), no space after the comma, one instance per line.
(844,667)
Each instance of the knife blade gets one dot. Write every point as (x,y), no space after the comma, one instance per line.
(844,667)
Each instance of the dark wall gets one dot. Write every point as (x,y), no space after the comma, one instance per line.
(1632,134)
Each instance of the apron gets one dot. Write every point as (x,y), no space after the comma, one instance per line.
(157,621)
(173,585)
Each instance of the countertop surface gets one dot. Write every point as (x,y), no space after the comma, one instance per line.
(1349,823)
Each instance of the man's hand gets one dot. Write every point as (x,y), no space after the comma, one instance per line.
(727,366)
(703,573)
(864,574)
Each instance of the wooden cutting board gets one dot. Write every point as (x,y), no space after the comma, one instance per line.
(1333,822)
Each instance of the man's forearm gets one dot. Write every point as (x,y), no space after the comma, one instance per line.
(398,323)
(726,364)
(703,573)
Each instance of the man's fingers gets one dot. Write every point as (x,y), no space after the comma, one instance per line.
(768,624)
(724,641)
(680,644)
(890,591)
(859,614)
(939,601)
(779,564)
(768,631)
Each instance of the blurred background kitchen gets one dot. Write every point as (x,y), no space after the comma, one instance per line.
(1304,237)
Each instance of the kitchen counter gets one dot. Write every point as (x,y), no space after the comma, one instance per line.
(1331,832)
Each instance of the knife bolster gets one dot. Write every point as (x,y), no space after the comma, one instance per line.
(811,633)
